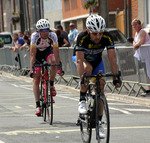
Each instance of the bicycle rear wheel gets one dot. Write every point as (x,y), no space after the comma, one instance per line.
(105,121)
(85,128)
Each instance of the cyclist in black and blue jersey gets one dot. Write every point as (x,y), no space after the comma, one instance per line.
(88,50)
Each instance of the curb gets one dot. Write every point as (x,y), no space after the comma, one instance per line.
(119,97)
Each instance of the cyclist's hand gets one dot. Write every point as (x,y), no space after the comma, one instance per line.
(60,72)
(117,83)
(32,74)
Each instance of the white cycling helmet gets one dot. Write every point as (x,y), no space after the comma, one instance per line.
(42,24)
(95,23)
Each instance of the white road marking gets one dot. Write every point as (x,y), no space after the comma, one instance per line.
(18,107)
(68,97)
(15,85)
(1,141)
(75,99)
(22,86)
(123,111)
(32,106)
(143,110)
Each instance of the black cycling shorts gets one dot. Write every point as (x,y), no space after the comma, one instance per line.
(44,55)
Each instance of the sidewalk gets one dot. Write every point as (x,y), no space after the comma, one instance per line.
(115,96)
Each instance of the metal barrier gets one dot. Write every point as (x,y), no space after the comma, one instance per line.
(133,74)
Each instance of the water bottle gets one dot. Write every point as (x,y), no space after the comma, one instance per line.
(91,102)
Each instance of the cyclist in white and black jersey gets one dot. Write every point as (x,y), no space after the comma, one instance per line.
(44,46)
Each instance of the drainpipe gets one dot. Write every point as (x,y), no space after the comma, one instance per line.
(125,7)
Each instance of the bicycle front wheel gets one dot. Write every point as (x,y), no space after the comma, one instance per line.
(85,128)
(104,122)
(50,106)
(44,90)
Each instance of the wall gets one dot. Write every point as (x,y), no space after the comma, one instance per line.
(53,11)
(120,22)
(114,4)
(72,8)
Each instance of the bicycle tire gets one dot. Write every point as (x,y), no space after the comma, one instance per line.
(44,103)
(105,121)
(85,128)
(85,124)
(50,104)
(41,99)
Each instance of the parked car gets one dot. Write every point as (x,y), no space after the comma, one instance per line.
(118,37)
(7,38)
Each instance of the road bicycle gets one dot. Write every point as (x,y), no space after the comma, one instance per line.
(96,101)
(46,99)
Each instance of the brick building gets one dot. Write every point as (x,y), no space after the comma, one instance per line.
(27,12)
(74,12)
(66,11)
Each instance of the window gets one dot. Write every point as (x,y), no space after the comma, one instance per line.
(147,12)
(7,39)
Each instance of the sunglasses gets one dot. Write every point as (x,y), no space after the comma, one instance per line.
(95,33)
(44,30)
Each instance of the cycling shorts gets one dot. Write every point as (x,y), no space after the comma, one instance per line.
(42,56)
(97,66)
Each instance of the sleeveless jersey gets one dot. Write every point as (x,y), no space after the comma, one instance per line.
(147,39)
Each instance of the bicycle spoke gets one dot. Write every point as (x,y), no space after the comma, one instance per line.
(105,123)
(85,128)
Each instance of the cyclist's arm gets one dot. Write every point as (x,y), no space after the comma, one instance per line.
(113,64)
(55,48)
(112,61)
(33,50)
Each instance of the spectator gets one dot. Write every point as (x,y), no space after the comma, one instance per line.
(64,34)
(61,40)
(142,37)
(73,33)
(18,42)
(1,42)
(26,44)
(20,34)
(28,34)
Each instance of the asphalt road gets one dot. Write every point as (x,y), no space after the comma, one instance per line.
(130,123)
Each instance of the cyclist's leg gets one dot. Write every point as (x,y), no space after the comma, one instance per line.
(50,58)
(36,82)
(87,67)
(100,67)
(96,70)
(36,91)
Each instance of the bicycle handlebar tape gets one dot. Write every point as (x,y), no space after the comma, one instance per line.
(117,81)
(32,73)
(60,71)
